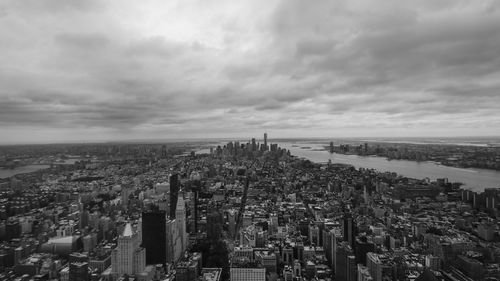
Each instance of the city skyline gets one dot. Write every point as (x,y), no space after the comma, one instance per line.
(97,71)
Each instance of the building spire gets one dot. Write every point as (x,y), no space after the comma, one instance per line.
(127,232)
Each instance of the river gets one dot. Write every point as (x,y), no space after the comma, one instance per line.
(473,179)
(6,173)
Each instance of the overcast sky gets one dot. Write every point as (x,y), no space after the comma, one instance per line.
(110,70)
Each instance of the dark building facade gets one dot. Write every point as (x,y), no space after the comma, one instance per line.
(154,237)
(214,225)
(174,193)
(345,267)
(361,248)
(79,271)
(349,230)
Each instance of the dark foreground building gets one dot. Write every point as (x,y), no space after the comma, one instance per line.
(154,238)
(174,193)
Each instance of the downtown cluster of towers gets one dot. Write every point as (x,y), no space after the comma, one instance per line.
(237,148)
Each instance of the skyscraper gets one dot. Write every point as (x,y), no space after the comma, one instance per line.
(196,187)
(188,270)
(174,192)
(163,151)
(214,225)
(128,257)
(180,217)
(349,229)
(154,236)
(362,247)
(78,271)
(125,194)
(231,218)
(176,233)
(265,141)
(345,267)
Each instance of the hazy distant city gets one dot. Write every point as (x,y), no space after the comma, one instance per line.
(263,140)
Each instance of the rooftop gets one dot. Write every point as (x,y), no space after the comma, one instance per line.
(127,232)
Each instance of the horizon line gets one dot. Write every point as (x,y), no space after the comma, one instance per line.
(197,139)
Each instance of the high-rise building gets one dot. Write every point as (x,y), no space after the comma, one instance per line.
(265,141)
(352,268)
(79,271)
(243,252)
(349,229)
(330,246)
(345,268)
(188,269)
(231,218)
(273,223)
(230,147)
(287,273)
(363,247)
(177,238)
(248,274)
(214,225)
(180,216)
(486,231)
(195,177)
(125,194)
(173,241)
(297,268)
(314,234)
(379,267)
(174,191)
(364,273)
(163,151)
(433,262)
(267,259)
(154,236)
(12,228)
(128,257)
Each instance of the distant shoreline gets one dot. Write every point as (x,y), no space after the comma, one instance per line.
(494,141)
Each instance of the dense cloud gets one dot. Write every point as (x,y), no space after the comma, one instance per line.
(98,70)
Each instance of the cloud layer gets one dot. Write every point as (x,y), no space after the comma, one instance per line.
(106,70)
